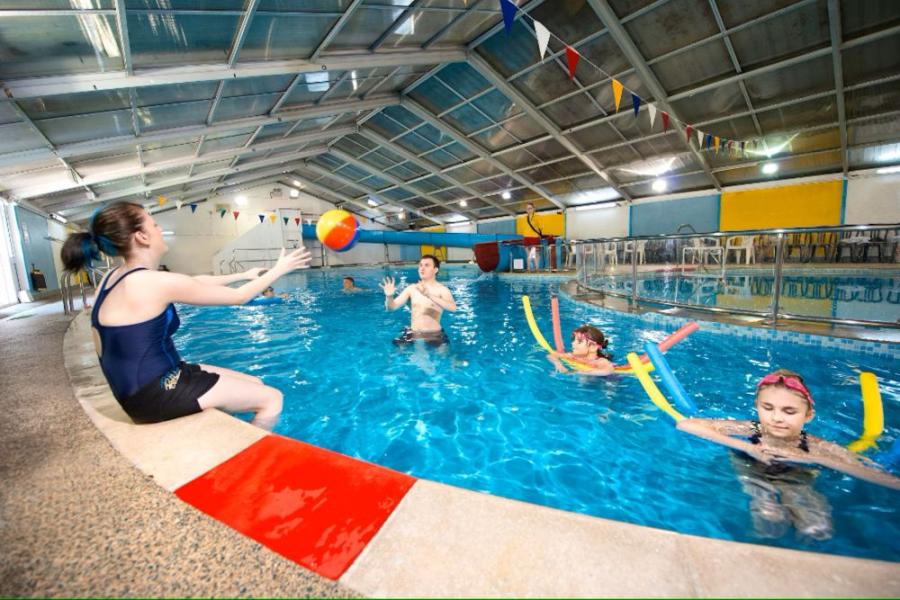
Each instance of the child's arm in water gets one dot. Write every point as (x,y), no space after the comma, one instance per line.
(831,455)
(599,367)
(722,431)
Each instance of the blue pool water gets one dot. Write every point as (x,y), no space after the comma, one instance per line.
(488,413)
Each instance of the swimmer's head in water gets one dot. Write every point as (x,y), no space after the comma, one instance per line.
(349,284)
(593,338)
(268,292)
(784,404)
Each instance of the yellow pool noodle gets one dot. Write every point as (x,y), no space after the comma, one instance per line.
(873,413)
(639,370)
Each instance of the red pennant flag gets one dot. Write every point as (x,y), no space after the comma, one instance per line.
(688,131)
(297,221)
(572,57)
(236,213)
(665,119)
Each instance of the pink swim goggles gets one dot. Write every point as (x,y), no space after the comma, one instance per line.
(789,382)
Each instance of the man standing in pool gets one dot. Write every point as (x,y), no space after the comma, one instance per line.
(428,299)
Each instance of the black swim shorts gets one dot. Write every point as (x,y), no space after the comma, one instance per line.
(431,338)
(173,395)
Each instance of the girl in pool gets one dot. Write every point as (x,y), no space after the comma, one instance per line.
(134,318)
(782,494)
(588,348)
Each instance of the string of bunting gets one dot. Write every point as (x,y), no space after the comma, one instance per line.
(705,141)
(235,213)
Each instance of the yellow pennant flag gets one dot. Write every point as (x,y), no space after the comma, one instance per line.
(162,200)
(617,92)
(272,217)
(716,143)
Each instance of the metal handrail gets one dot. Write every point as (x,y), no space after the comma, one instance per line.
(599,264)
(722,234)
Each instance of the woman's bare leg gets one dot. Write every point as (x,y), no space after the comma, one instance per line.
(237,394)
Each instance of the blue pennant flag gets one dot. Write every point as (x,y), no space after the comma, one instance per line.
(636,103)
(193,208)
(509,14)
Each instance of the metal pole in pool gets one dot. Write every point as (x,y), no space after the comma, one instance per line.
(779,260)
(633,274)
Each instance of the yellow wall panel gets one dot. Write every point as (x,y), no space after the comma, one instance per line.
(549,223)
(439,251)
(804,205)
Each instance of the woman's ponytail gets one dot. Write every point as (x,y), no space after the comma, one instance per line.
(110,231)
(79,251)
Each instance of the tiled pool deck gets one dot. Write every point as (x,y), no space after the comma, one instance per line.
(383,533)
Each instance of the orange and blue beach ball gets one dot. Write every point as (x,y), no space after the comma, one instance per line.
(338,230)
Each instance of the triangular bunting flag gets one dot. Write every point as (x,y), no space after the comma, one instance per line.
(509,14)
(665,120)
(617,92)
(687,132)
(636,104)
(178,204)
(708,141)
(716,143)
(652,110)
(543,38)
(222,212)
(261,218)
(700,137)
(286,219)
(236,213)
(162,200)
(572,58)
(193,208)
(297,221)
(272,217)
(743,144)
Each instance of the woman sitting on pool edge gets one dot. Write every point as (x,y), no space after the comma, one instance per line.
(588,348)
(134,318)
(782,494)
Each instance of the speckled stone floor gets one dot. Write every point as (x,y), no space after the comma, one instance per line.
(77,519)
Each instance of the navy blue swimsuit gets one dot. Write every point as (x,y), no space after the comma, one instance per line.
(143,368)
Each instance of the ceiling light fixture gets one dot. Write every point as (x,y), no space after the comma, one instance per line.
(770,168)
(240,200)
(506,195)
(298,183)
(295,193)
(463,203)
(886,170)
(371,202)
(660,185)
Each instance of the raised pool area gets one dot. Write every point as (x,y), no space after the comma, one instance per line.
(488,413)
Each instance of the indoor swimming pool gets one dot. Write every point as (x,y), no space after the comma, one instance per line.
(487,412)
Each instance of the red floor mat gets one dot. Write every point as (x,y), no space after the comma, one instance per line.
(316,507)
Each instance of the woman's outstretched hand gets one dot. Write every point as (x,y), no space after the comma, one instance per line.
(296,259)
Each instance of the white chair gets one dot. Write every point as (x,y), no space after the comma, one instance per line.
(702,250)
(570,254)
(738,244)
(610,252)
(629,248)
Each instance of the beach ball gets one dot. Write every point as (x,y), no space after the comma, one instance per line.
(338,230)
